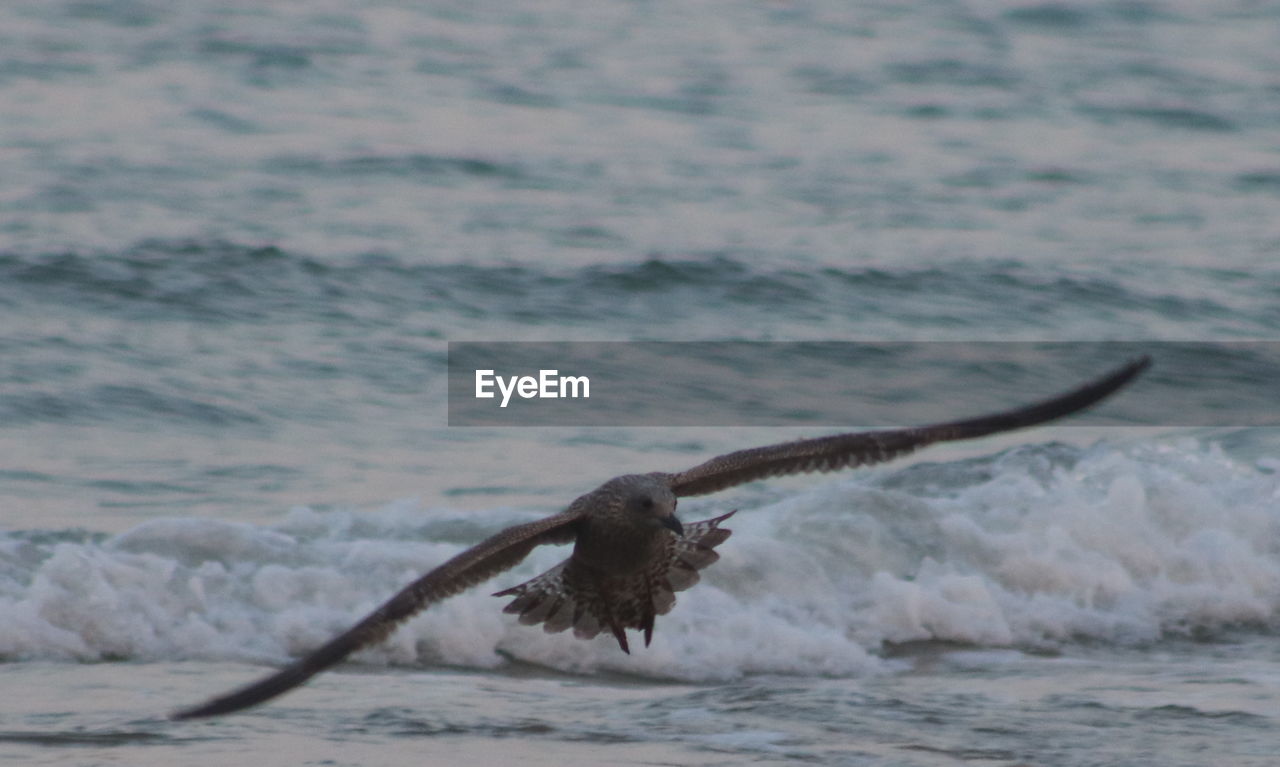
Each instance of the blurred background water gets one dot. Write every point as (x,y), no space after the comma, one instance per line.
(236,237)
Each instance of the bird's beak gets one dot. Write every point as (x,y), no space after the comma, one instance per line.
(671,523)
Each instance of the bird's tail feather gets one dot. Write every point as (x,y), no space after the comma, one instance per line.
(566,597)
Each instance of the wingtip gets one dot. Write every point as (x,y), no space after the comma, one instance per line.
(210,708)
(1130,370)
(1140,363)
(183,714)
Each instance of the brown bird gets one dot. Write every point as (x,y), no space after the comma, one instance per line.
(630,553)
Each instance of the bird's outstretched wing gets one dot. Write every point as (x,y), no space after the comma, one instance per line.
(478,563)
(842,451)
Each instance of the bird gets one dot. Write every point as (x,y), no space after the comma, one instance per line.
(631,553)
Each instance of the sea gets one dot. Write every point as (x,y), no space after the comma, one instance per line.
(237,239)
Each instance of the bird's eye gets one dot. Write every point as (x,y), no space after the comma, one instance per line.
(646,503)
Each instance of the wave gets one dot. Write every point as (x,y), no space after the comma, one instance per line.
(215,281)
(1035,548)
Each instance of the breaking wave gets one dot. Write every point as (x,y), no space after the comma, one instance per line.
(1033,548)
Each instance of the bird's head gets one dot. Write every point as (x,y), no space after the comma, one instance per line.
(647,500)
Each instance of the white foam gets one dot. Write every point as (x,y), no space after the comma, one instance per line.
(1125,546)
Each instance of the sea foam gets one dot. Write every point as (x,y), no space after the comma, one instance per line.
(1029,549)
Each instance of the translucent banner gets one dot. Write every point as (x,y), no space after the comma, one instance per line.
(742,383)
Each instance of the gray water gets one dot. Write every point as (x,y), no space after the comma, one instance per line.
(235,239)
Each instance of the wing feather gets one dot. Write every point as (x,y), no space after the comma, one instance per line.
(863,448)
(478,563)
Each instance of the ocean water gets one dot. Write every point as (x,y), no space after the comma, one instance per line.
(236,238)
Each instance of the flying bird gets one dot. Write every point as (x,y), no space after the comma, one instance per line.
(631,554)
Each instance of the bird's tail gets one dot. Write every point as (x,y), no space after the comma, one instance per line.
(567,597)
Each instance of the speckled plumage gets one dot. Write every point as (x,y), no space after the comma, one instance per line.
(630,553)
(588,600)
